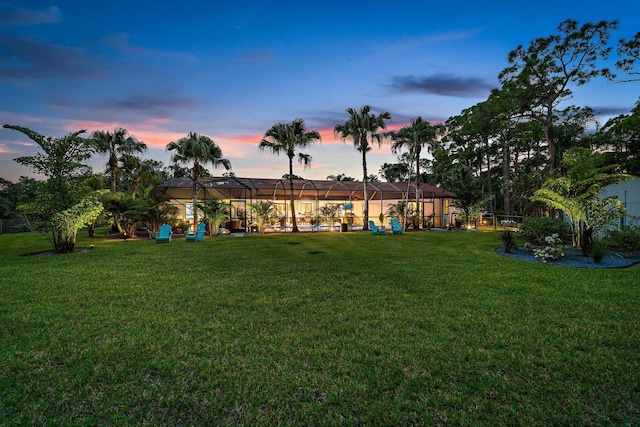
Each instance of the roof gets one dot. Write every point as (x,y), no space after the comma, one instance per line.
(231,187)
(438,192)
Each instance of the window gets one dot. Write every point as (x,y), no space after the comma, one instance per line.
(188,211)
(305,207)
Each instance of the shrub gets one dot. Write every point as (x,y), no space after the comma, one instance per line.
(536,229)
(627,239)
(598,252)
(550,250)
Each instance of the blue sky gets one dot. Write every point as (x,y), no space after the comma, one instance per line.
(230,70)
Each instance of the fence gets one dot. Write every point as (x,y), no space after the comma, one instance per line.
(496,221)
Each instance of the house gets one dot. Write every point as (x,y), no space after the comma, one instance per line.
(628,192)
(309,195)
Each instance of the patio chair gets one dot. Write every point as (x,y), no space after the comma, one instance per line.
(376,229)
(164,235)
(396,228)
(198,236)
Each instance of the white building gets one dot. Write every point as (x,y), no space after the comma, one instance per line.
(628,192)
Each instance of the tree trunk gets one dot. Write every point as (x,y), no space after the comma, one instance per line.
(134,189)
(418,210)
(294,224)
(506,179)
(586,243)
(365,179)
(195,199)
(548,135)
(113,164)
(63,244)
(489,182)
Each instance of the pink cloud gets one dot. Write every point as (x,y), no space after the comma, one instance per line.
(241,139)
(146,131)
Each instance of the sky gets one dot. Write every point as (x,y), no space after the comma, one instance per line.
(230,70)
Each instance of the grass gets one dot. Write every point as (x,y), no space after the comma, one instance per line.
(334,328)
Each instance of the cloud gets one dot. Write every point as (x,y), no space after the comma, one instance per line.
(27,59)
(382,52)
(256,58)
(611,111)
(155,106)
(326,119)
(13,15)
(121,42)
(443,84)
(444,37)
(4,149)
(152,132)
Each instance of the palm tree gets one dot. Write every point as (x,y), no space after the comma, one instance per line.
(330,212)
(419,134)
(287,138)
(138,173)
(116,145)
(361,127)
(200,150)
(215,211)
(263,212)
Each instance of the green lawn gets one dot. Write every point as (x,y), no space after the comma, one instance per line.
(308,329)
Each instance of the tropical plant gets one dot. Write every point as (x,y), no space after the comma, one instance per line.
(116,145)
(199,150)
(60,206)
(263,212)
(288,138)
(154,213)
(400,211)
(125,216)
(93,183)
(414,138)
(576,192)
(138,172)
(330,213)
(215,212)
(362,128)
(134,213)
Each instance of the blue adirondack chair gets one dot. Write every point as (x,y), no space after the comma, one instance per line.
(198,236)
(396,228)
(375,229)
(164,235)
